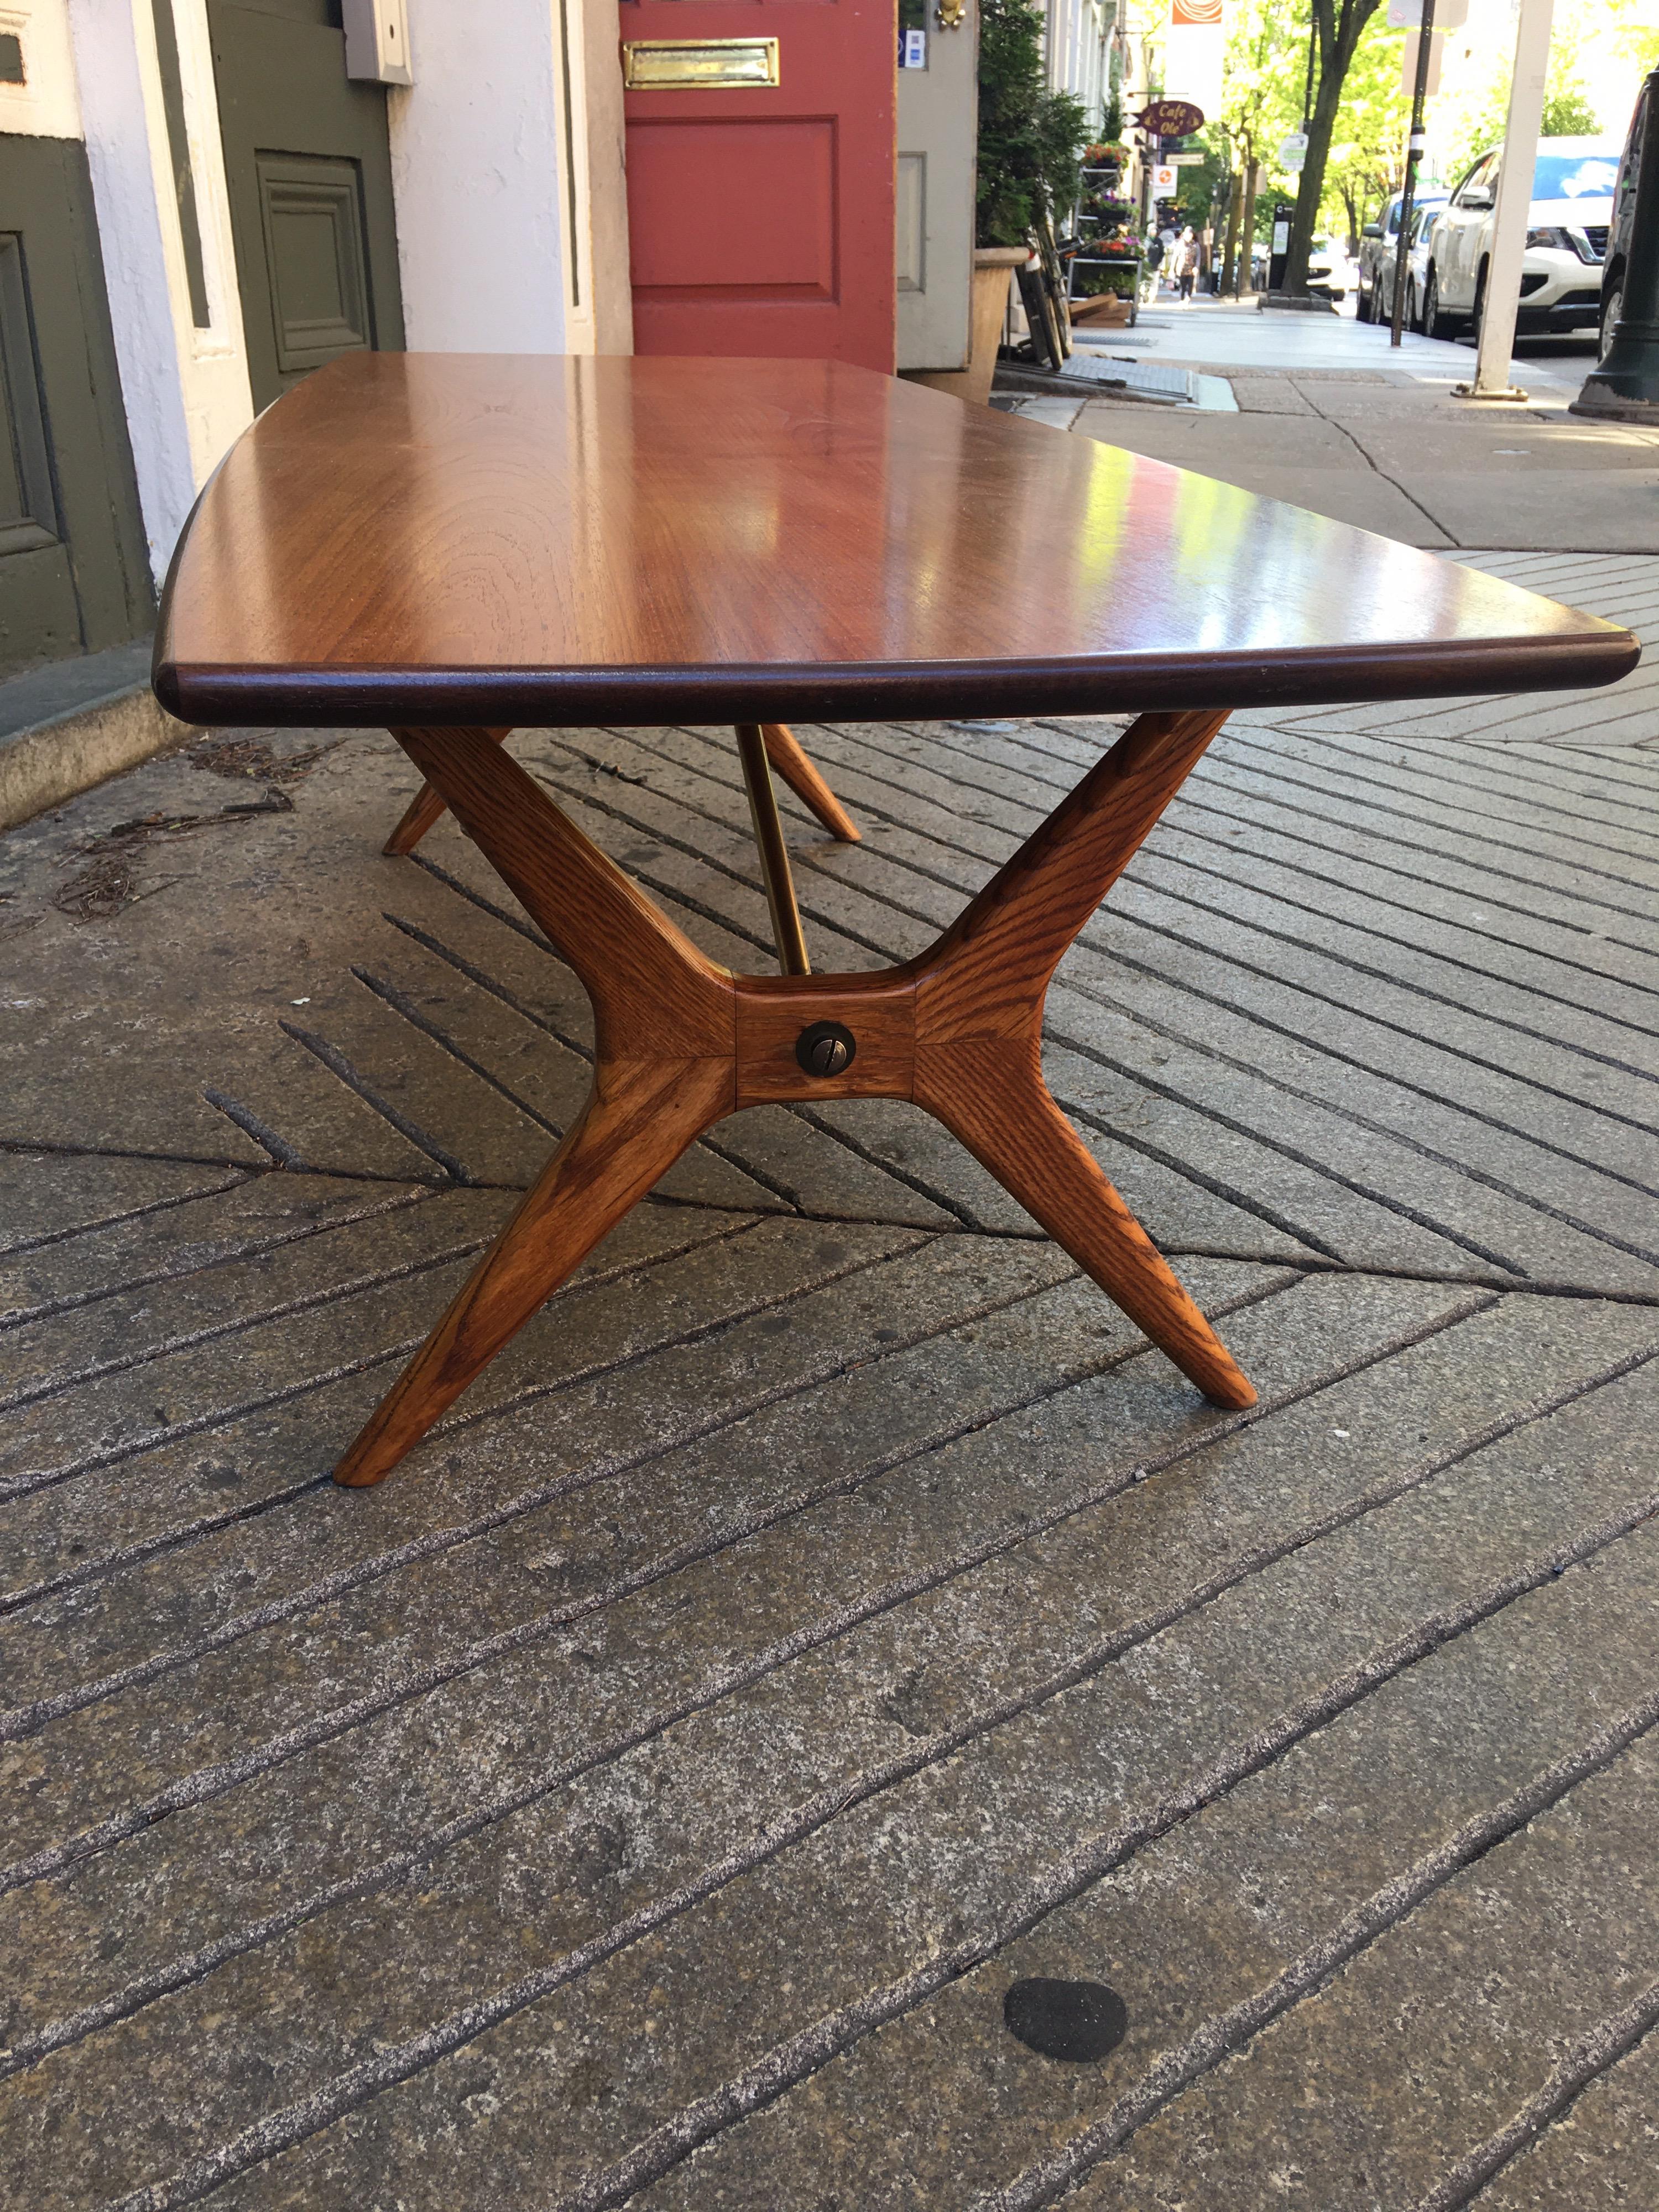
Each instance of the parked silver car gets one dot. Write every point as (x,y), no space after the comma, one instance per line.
(1568,223)
(1417,269)
(1378,244)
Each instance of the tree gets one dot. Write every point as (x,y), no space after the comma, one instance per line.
(1367,162)
(1567,115)
(1260,101)
(1266,82)
(1195,194)
(1030,139)
(1337,26)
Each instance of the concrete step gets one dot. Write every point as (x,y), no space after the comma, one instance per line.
(67,727)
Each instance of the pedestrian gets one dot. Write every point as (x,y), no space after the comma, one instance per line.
(1154,262)
(1188,271)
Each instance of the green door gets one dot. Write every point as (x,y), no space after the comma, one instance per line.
(309,172)
(74,573)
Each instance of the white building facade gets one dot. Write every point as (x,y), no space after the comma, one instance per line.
(480,207)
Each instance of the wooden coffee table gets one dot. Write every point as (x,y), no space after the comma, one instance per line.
(450,546)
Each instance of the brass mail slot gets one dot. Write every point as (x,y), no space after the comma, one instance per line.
(657,64)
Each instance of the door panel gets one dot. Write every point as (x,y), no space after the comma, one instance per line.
(310,213)
(39,616)
(937,125)
(911,229)
(761,217)
(74,575)
(746,212)
(308,168)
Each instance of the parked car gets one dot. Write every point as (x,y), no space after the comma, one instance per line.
(1624,207)
(1328,269)
(1379,242)
(1567,228)
(1417,269)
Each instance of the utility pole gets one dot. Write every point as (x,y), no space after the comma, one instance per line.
(1496,303)
(1413,156)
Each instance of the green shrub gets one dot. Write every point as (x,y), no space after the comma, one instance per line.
(1030,139)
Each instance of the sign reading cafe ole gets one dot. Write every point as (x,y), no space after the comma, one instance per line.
(1171,118)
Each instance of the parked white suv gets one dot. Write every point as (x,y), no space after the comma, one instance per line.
(1572,182)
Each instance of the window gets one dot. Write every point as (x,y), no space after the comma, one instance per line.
(1482,178)
(1574,176)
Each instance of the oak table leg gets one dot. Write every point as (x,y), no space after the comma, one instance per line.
(783,749)
(634,1127)
(979,1034)
(681,1041)
(424,812)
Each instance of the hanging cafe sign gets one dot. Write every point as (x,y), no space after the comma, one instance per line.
(1171,118)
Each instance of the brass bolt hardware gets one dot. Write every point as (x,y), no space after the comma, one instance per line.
(826,1048)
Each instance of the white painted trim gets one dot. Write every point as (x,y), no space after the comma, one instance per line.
(218,395)
(575,213)
(185,391)
(46,105)
(136,272)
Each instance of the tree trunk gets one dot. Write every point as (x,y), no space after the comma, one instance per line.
(1351,207)
(1322,125)
(1230,252)
(1246,264)
(1338,35)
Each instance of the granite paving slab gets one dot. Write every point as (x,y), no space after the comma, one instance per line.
(829,1611)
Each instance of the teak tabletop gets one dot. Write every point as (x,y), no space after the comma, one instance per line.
(453,545)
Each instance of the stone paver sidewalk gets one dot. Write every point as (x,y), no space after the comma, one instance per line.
(1329,416)
(829,1613)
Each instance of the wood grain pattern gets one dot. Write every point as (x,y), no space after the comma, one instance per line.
(979,1035)
(424,811)
(989,1092)
(641,1117)
(682,1041)
(462,539)
(655,994)
(772,1010)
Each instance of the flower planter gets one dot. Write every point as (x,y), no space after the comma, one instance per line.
(994,265)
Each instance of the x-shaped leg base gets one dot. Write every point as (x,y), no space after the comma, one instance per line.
(682,1041)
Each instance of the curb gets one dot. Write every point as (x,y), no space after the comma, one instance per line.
(60,755)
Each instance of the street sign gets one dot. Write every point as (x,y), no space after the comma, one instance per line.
(1182,161)
(1408,64)
(1294,152)
(1171,118)
(1407,15)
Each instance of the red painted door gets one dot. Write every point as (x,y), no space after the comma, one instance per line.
(761,217)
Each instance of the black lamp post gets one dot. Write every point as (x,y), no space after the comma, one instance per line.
(1625,384)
